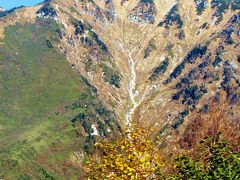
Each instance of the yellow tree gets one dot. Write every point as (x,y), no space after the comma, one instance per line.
(133,156)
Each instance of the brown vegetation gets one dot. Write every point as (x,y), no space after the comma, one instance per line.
(219,119)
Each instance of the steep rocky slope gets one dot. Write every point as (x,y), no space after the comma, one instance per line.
(152,63)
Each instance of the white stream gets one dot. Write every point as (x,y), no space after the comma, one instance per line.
(132,89)
(133,93)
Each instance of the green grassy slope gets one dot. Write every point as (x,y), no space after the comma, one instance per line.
(36,83)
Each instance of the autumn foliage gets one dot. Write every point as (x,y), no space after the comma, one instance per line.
(219,119)
(214,159)
(134,156)
(202,151)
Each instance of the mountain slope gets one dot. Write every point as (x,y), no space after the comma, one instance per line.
(74,71)
(38,94)
(138,38)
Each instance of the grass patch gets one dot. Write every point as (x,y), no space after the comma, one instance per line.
(36,84)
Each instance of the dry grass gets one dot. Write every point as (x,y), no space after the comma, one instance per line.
(219,119)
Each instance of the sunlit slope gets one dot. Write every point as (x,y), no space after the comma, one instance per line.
(36,83)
